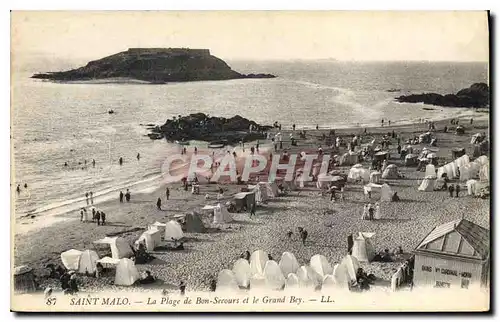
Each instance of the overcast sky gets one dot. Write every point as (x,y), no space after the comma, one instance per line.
(360,36)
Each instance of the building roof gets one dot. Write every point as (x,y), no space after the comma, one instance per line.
(460,238)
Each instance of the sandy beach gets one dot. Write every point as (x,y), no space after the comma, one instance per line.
(404,223)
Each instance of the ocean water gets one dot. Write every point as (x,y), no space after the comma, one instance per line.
(57,123)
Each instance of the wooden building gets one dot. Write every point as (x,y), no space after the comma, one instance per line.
(453,255)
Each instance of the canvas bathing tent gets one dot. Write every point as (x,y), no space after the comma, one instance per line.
(292,281)
(430,171)
(411,160)
(470,171)
(375,177)
(244,200)
(258,260)
(288,263)
(226,281)
(273,275)
(126,272)
(349,158)
(358,173)
(120,248)
(320,265)
(391,172)
(260,193)
(386,193)
(193,223)
(173,231)
(150,238)
(363,249)
(88,262)
(427,184)
(221,215)
(242,272)
(345,272)
(71,259)
(158,226)
(271,189)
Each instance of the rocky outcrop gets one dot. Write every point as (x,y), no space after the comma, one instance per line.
(154,65)
(201,127)
(475,96)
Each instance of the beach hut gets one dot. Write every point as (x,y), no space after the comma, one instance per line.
(242,272)
(320,265)
(193,223)
(258,260)
(88,261)
(430,171)
(358,173)
(292,281)
(24,280)
(411,160)
(427,184)
(226,281)
(120,248)
(126,272)
(71,259)
(349,158)
(150,238)
(363,249)
(221,215)
(244,200)
(375,177)
(391,172)
(308,277)
(345,272)
(385,192)
(453,255)
(288,263)
(273,275)
(173,231)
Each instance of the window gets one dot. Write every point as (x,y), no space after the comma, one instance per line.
(465,283)
(442,284)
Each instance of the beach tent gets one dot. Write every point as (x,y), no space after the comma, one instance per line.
(385,192)
(24,279)
(108,261)
(427,184)
(221,215)
(274,277)
(258,281)
(173,231)
(358,173)
(288,263)
(482,160)
(430,171)
(272,189)
(260,193)
(391,172)
(320,265)
(244,200)
(323,181)
(120,248)
(463,160)
(292,281)
(328,282)
(88,262)
(381,155)
(411,160)
(363,249)
(242,272)
(470,171)
(158,226)
(258,261)
(369,187)
(477,138)
(308,277)
(193,223)
(126,272)
(345,273)
(226,281)
(150,238)
(71,259)
(471,187)
(203,178)
(349,158)
(375,177)
(484,172)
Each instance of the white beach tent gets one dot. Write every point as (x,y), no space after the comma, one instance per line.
(427,184)
(108,261)
(461,161)
(363,249)
(323,181)
(274,277)
(258,261)
(430,171)
(482,160)
(391,172)
(308,277)
(345,272)
(260,193)
(71,259)
(375,177)
(126,272)
(173,231)
(349,158)
(242,272)
(288,263)
(385,192)
(158,226)
(357,172)
(320,265)
(472,187)
(226,281)
(221,215)
(292,281)
(272,189)
(120,248)
(328,282)
(484,172)
(470,171)
(151,239)
(258,281)
(88,262)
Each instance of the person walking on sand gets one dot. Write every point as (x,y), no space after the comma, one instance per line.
(103,218)
(120,161)
(293,127)
(87,197)
(138,156)
(457,190)
(382,122)
(98,217)
(167,193)
(93,214)
(158,203)
(127,196)
(303,236)
(471,121)
(450,190)
(81,215)
(18,189)
(93,163)
(252,210)
(121,196)
(91,194)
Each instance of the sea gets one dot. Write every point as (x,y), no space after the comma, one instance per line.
(54,123)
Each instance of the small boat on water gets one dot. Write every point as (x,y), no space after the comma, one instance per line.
(182,142)
(217,144)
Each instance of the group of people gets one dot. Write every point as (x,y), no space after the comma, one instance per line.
(97,216)
(302,234)
(454,188)
(89,198)
(126,195)
(18,188)
(371,212)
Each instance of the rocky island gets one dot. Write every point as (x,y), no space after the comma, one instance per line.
(154,65)
(201,127)
(477,95)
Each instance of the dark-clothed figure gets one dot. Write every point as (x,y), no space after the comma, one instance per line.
(98,217)
(303,236)
(182,287)
(127,196)
(457,190)
(121,196)
(167,193)
(103,218)
(450,190)
(158,204)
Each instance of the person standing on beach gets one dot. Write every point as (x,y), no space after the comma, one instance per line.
(127,196)
(18,189)
(399,149)
(81,215)
(158,203)
(98,217)
(252,210)
(167,193)
(450,190)
(91,194)
(103,218)
(382,122)
(293,127)
(138,156)
(182,288)
(93,214)
(457,190)
(471,121)
(120,161)
(93,163)
(303,236)
(87,197)
(121,196)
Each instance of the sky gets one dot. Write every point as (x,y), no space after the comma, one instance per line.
(257,35)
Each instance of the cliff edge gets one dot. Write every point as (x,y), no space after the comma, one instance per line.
(155,65)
